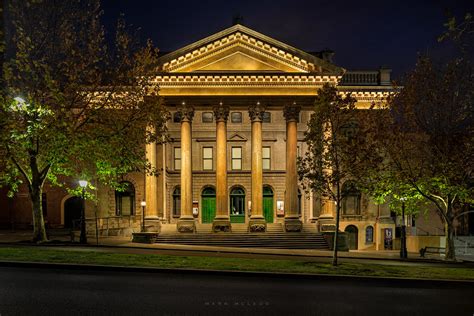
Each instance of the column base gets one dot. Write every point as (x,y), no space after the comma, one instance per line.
(326,223)
(257,225)
(293,225)
(152,224)
(186,225)
(221,224)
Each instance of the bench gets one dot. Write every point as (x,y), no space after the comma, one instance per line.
(433,250)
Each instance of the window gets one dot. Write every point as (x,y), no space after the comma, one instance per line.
(267,117)
(266,157)
(176,117)
(177,202)
(177,158)
(236,158)
(369,235)
(350,199)
(207,117)
(207,158)
(125,199)
(236,117)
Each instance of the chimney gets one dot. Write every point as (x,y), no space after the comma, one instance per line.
(327,55)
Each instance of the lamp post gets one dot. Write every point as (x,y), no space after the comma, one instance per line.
(83,236)
(403,237)
(143,204)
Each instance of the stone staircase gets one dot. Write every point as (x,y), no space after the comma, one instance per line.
(275,237)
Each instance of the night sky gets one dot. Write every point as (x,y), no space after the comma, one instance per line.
(364,34)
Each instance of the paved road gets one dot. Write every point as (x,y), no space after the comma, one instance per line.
(39,291)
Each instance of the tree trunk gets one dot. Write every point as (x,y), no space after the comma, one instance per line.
(449,232)
(336,232)
(336,237)
(36,189)
(39,231)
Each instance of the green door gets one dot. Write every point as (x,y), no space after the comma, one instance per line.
(237,205)
(208,205)
(268,204)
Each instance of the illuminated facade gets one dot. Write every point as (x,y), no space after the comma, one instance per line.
(240,102)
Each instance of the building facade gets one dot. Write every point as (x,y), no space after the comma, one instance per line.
(239,103)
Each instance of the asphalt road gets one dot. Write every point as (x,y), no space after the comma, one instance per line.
(40,291)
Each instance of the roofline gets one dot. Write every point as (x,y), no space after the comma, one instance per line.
(238,27)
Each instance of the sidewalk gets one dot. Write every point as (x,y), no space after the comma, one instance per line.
(124,245)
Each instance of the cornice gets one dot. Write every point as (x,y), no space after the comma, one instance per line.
(198,80)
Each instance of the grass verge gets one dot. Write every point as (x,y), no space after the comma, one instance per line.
(233,264)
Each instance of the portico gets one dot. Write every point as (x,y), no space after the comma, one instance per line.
(240,102)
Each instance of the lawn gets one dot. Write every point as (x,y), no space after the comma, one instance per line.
(456,272)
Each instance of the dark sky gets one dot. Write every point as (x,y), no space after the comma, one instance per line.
(364,34)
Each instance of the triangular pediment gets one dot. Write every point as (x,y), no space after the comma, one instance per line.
(240,49)
(240,61)
(237,138)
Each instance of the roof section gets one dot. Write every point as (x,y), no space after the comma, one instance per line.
(240,49)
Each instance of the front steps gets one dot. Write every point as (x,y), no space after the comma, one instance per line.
(275,237)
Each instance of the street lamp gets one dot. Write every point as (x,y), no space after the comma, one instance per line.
(83,236)
(403,237)
(143,204)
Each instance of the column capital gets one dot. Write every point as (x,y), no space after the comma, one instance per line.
(221,112)
(256,112)
(291,112)
(186,112)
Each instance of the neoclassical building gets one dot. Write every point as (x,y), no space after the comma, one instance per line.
(240,102)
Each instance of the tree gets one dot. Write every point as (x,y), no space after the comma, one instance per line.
(78,104)
(426,134)
(331,138)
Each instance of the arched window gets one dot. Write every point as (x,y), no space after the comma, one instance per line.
(369,235)
(177,201)
(125,199)
(350,199)
(237,201)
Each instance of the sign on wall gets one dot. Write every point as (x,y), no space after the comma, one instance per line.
(388,236)
(195,208)
(280,208)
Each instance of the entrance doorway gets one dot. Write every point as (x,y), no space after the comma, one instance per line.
(72,212)
(268,204)
(237,205)
(208,197)
(352,237)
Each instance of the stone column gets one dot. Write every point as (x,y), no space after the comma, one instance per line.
(292,221)
(257,222)
(186,221)
(221,222)
(151,184)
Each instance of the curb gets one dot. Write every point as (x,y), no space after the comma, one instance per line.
(259,274)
